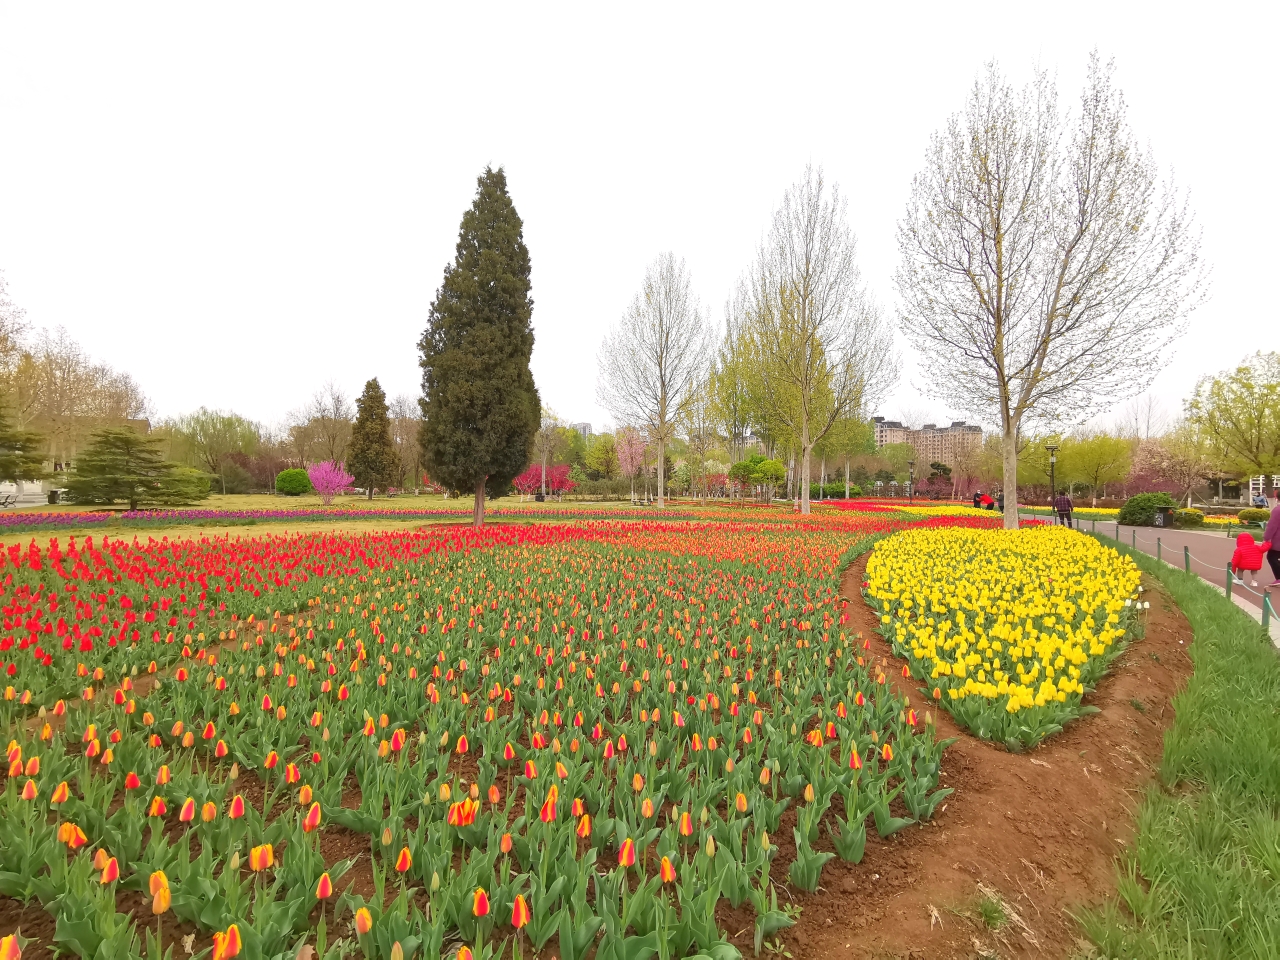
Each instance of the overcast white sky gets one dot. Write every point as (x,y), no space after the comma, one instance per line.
(238,202)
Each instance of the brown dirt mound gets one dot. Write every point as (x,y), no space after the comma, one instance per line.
(1039,830)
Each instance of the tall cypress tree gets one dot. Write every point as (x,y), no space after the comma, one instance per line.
(480,407)
(371,454)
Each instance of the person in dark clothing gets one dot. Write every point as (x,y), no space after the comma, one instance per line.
(1000,501)
(1062,504)
(977,500)
(1272,536)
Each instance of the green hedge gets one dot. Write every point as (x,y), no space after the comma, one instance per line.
(832,491)
(1140,510)
(1189,518)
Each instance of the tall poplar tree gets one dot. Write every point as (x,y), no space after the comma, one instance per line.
(480,407)
(371,459)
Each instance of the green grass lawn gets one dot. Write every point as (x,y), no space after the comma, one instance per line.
(1203,877)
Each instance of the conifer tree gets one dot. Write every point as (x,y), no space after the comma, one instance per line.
(371,456)
(20,456)
(122,465)
(480,406)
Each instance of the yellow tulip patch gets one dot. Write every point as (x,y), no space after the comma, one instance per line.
(1009,628)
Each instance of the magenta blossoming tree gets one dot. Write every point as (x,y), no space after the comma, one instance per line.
(328,479)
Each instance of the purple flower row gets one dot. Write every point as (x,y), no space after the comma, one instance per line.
(12,521)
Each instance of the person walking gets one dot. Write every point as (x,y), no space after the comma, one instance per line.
(1271,536)
(1062,504)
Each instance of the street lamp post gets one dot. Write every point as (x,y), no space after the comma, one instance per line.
(1053,460)
(911,482)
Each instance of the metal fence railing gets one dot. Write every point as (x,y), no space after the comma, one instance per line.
(1230,580)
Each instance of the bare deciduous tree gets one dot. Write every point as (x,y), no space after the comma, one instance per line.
(329,416)
(651,363)
(406,423)
(701,435)
(1144,418)
(823,351)
(548,442)
(1044,265)
(729,386)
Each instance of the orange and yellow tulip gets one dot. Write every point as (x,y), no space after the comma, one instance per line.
(312,820)
(363,921)
(261,857)
(227,945)
(627,853)
(520,913)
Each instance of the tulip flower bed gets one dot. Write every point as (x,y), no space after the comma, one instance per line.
(589,733)
(24,521)
(1010,628)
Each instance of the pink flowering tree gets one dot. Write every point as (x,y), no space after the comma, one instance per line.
(629,445)
(328,479)
(529,482)
(558,481)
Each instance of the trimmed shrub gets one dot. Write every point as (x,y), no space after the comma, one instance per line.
(293,483)
(833,490)
(1140,510)
(1253,515)
(1189,518)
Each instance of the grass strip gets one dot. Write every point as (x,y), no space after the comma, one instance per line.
(1202,879)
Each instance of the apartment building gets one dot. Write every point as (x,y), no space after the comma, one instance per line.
(933,444)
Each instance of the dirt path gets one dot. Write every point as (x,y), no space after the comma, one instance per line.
(1040,830)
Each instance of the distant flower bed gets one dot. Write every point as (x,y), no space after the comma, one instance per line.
(16,522)
(63,520)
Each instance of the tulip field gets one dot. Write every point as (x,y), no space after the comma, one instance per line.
(587,734)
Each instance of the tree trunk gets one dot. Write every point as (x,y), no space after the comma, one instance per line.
(846,479)
(662,463)
(370,497)
(478,519)
(806,450)
(1010,479)
(822,480)
(544,476)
